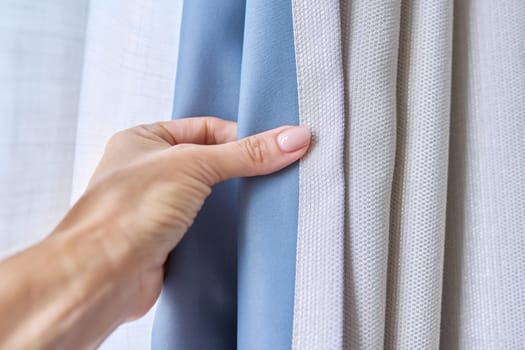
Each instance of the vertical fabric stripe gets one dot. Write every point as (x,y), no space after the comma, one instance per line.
(198,305)
(370,43)
(268,204)
(419,191)
(318,309)
(484,274)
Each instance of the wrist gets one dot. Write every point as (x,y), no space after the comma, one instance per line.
(66,292)
(99,273)
(96,246)
(93,255)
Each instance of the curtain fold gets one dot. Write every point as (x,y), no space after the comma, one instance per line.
(236,61)
(484,267)
(370,54)
(268,204)
(197,307)
(418,202)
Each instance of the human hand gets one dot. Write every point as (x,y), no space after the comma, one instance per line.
(152,181)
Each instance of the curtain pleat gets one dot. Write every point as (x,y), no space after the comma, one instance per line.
(197,307)
(268,205)
(418,203)
(319,278)
(370,51)
(483,303)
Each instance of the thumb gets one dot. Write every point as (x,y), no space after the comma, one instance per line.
(259,154)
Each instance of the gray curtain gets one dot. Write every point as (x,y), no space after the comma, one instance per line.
(434,163)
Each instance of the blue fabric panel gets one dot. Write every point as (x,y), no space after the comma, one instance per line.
(268,230)
(197,308)
(198,305)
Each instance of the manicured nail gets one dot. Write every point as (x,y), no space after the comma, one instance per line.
(293,138)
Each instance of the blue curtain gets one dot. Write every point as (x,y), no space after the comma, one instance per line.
(222,289)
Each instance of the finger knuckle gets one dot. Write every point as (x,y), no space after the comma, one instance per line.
(255,149)
(161,130)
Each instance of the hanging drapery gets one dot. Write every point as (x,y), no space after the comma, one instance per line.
(404,225)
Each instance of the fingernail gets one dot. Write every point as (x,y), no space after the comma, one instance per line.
(293,138)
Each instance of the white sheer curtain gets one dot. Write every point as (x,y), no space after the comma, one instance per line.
(71,74)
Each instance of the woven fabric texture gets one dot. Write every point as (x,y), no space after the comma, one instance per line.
(435,174)
(483,303)
(370,46)
(318,305)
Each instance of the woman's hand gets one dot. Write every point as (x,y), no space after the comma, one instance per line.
(153,180)
(104,262)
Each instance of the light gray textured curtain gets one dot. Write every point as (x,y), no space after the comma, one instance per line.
(434,120)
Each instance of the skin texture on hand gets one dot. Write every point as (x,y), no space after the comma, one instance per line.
(106,257)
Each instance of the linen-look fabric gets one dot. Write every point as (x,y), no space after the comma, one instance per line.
(319,277)
(402,228)
(484,263)
(419,144)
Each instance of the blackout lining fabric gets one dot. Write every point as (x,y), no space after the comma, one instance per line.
(197,307)
(236,61)
(269,204)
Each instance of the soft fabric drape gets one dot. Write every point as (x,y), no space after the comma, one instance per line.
(395,183)
(250,78)
(404,227)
